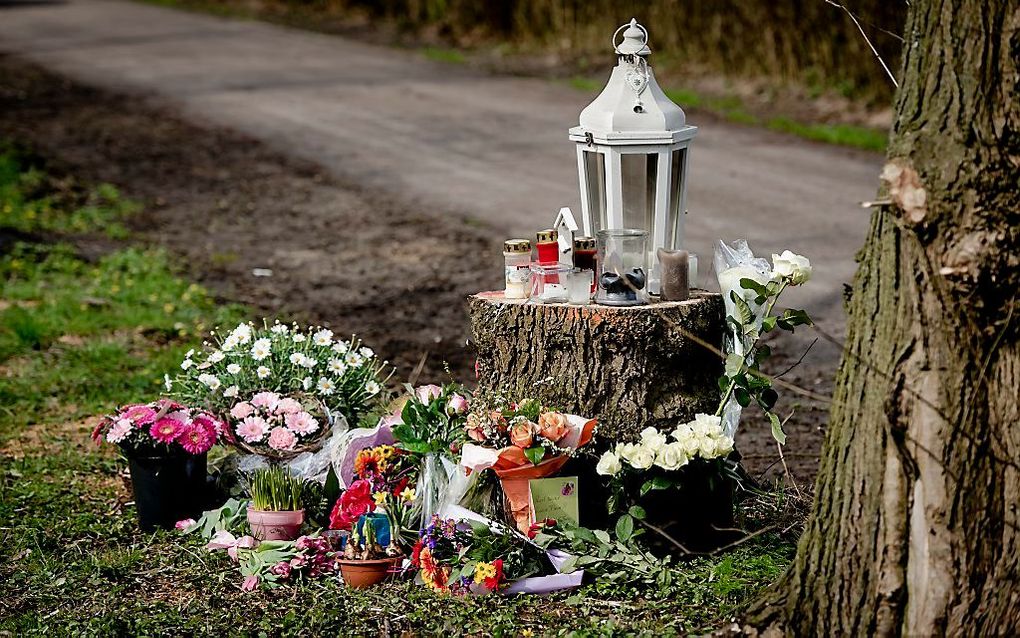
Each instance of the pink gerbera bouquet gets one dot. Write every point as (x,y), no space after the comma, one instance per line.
(277,426)
(160,428)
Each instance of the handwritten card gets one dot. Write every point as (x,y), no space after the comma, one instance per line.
(554,498)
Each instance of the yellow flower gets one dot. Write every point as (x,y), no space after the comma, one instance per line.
(380,498)
(408,494)
(483,571)
(527,633)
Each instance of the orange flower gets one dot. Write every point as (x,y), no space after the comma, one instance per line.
(553,426)
(521,434)
(433,573)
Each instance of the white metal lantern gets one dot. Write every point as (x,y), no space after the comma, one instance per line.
(633,144)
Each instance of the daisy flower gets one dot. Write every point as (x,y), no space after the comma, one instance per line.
(309,362)
(353,359)
(216,356)
(232,392)
(187,363)
(297,358)
(229,343)
(260,349)
(298,337)
(287,405)
(233,368)
(323,337)
(267,400)
(325,386)
(368,353)
(336,366)
(210,381)
(241,410)
(306,383)
(371,387)
(341,347)
(279,329)
(197,438)
(263,372)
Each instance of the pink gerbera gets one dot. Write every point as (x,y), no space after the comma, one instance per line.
(287,405)
(252,429)
(209,421)
(282,439)
(267,400)
(302,423)
(166,430)
(139,414)
(197,438)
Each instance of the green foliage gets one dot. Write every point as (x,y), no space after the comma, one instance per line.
(31,201)
(274,489)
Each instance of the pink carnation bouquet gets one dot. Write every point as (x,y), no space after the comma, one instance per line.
(277,426)
(160,428)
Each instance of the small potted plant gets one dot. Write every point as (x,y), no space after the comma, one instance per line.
(165,444)
(365,562)
(277,510)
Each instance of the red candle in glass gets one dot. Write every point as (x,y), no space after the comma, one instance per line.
(548,246)
(584,256)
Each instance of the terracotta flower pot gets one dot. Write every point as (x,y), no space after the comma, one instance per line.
(359,574)
(275,526)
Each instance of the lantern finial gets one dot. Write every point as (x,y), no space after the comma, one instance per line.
(635,39)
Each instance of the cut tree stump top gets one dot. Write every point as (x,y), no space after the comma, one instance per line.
(630,366)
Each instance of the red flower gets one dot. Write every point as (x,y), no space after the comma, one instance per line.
(354,502)
(400,486)
(416,554)
(492,583)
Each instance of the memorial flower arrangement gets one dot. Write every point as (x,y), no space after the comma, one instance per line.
(280,386)
(751,288)
(658,454)
(275,563)
(431,419)
(160,428)
(386,478)
(467,557)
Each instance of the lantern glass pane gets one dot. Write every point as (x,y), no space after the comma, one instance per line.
(676,193)
(638,175)
(595,175)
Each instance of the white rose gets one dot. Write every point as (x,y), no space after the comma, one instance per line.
(671,457)
(609,465)
(653,439)
(795,267)
(707,447)
(642,457)
(706,425)
(723,445)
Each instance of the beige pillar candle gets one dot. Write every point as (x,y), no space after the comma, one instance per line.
(674,266)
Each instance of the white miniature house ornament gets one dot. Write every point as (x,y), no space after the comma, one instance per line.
(632,152)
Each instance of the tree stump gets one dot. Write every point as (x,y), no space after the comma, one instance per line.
(630,367)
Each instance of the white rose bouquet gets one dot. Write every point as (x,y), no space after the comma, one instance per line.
(311,377)
(661,461)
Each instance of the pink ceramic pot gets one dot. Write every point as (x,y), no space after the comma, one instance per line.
(275,526)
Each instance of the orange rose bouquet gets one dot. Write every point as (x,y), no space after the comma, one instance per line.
(519,442)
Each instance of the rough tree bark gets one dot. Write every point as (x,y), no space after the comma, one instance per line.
(914,529)
(633,367)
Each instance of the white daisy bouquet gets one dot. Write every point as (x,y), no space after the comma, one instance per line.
(280,388)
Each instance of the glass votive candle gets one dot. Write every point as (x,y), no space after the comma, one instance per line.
(579,283)
(549,283)
(623,267)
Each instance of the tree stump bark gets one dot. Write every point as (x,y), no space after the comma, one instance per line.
(630,367)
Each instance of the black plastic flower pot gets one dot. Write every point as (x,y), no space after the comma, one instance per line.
(168,489)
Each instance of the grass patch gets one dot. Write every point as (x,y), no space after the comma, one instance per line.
(841,134)
(448,56)
(32,200)
(79,338)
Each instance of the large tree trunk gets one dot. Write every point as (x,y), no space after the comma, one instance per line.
(914,529)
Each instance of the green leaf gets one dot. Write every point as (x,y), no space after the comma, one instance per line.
(331,490)
(602,535)
(777,429)
(744,313)
(751,284)
(637,512)
(734,364)
(768,324)
(762,352)
(569,565)
(724,383)
(624,527)
(535,454)
(743,396)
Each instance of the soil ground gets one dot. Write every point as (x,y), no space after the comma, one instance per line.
(358,260)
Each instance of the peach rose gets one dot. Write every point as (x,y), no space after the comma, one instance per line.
(474,428)
(498,420)
(521,434)
(553,426)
